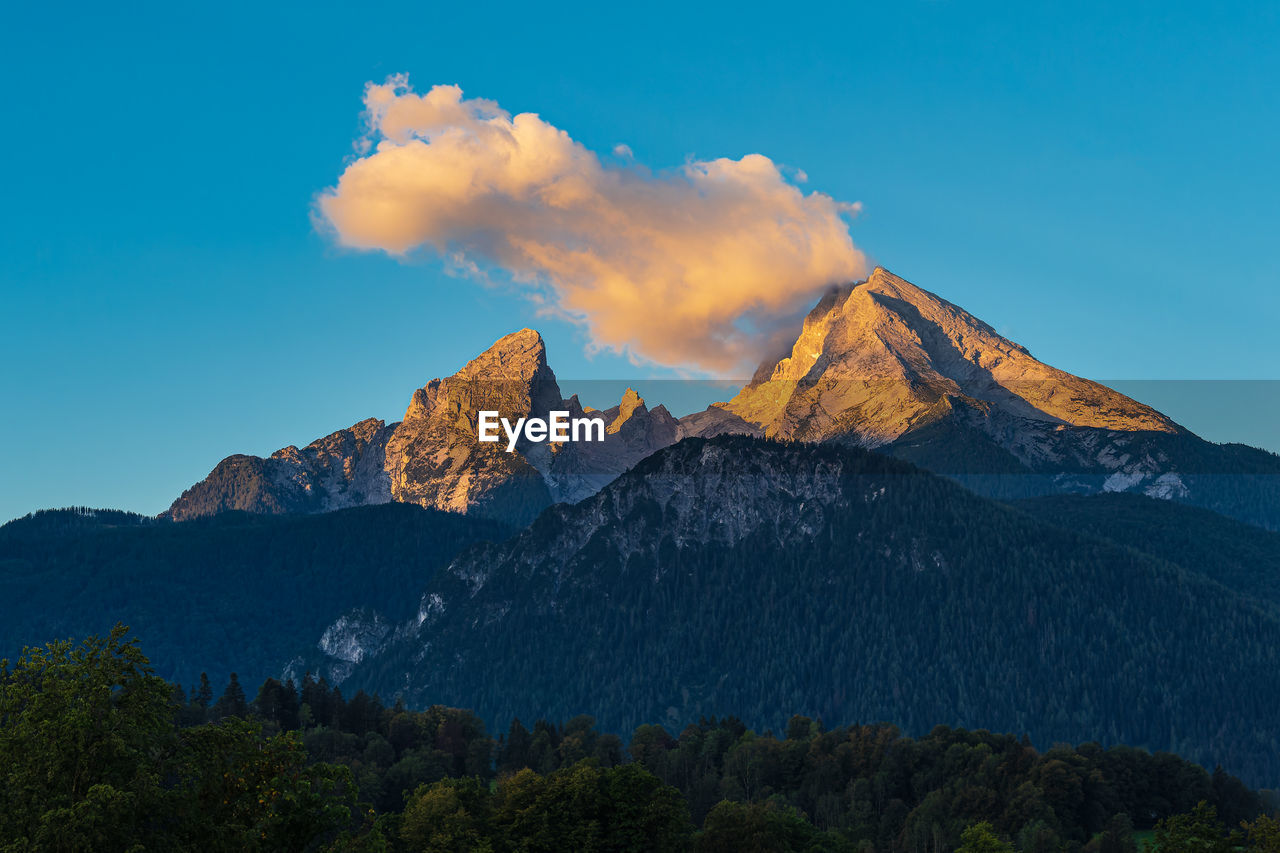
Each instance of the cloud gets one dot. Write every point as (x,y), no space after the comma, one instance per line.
(691,267)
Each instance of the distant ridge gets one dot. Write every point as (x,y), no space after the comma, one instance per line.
(880,363)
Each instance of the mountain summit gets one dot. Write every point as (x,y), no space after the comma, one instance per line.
(880,357)
(880,363)
(433,457)
(886,364)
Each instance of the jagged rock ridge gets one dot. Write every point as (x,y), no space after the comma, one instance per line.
(343,469)
(880,363)
(433,457)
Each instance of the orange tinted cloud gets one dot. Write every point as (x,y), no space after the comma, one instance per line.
(689,268)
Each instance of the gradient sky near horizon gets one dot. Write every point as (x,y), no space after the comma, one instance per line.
(1098,181)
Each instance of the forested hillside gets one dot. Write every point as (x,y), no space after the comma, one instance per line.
(731,575)
(235,591)
(1239,556)
(743,574)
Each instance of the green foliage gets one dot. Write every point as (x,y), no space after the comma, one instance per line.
(84,734)
(241,791)
(754,828)
(1263,834)
(872,786)
(1239,556)
(97,756)
(1198,831)
(581,808)
(233,702)
(93,759)
(451,816)
(1116,837)
(981,838)
(1073,597)
(910,600)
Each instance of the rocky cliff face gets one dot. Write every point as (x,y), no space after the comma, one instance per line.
(632,431)
(889,365)
(881,363)
(878,358)
(433,457)
(341,470)
(698,494)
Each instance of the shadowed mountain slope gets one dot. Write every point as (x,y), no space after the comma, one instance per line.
(740,575)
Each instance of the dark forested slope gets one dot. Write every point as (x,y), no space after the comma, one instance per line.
(235,591)
(730,575)
(1237,555)
(743,575)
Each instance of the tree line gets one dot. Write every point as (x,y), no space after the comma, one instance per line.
(100,753)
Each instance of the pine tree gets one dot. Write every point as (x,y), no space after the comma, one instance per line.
(203,695)
(277,703)
(233,702)
(515,755)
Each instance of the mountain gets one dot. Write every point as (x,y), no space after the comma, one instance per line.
(433,458)
(886,364)
(576,470)
(730,575)
(341,470)
(1240,556)
(881,363)
(237,592)
(876,359)
(827,542)
(742,575)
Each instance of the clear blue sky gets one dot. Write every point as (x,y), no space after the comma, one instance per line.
(1098,181)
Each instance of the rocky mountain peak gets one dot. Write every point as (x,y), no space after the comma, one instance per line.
(631,401)
(876,358)
(518,356)
(881,363)
(632,432)
(435,459)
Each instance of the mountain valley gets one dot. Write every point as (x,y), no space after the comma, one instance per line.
(905,517)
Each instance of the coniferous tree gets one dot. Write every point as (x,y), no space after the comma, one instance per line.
(232,703)
(515,752)
(277,703)
(202,696)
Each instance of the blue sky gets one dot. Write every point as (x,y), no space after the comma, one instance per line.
(1097,181)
